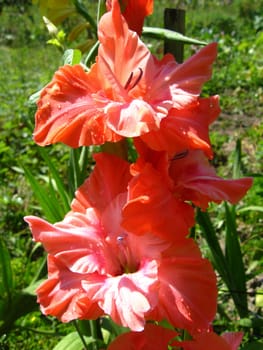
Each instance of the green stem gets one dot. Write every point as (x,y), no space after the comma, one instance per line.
(95,330)
(80,334)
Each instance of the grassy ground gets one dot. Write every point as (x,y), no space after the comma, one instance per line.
(27,64)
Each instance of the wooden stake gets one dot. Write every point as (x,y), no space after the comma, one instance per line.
(174,19)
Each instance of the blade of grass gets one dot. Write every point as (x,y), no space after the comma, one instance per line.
(6,275)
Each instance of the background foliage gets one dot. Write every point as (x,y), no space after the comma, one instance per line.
(28,63)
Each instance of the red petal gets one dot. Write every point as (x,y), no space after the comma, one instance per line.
(185,129)
(67,112)
(188,292)
(109,178)
(196,180)
(152,208)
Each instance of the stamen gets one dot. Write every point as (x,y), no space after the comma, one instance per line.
(180,155)
(127,87)
(128,81)
(138,78)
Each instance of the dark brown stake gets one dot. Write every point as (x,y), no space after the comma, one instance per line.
(174,19)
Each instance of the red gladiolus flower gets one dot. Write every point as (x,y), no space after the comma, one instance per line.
(134,11)
(126,93)
(187,177)
(98,267)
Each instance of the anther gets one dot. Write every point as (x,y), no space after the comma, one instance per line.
(180,155)
(138,78)
(127,85)
(128,81)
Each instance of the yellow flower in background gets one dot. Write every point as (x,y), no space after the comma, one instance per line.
(56,10)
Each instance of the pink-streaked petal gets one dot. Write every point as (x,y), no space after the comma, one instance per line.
(67,113)
(65,235)
(196,180)
(62,296)
(132,119)
(234,339)
(129,297)
(153,337)
(109,178)
(76,242)
(187,293)
(151,208)
(181,83)
(185,129)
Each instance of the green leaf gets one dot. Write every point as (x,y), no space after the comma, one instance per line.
(6,276)
(82,10)
(48,204)
(20,305)
(235,265)
(209,233)
(72,57)
(250,208)
(161,34)
(72,341)
(61,189)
